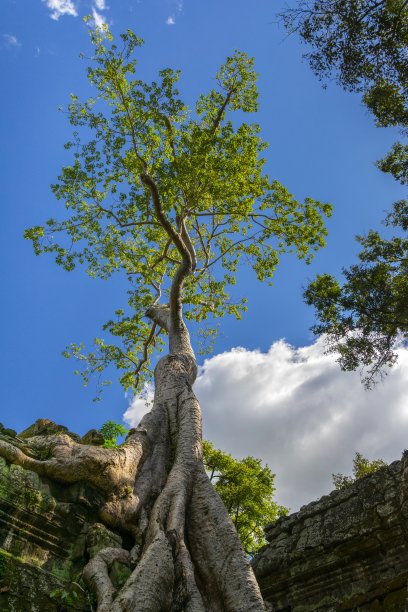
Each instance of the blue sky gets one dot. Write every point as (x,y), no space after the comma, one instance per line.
(322,144)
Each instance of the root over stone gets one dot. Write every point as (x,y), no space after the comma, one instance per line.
(185,553)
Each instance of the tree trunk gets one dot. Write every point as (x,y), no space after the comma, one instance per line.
(185,554)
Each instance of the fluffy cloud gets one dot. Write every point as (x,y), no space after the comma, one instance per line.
(300,413)
(100,5)
(170,20)
(59,8)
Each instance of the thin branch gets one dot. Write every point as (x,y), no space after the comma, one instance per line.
(221,110)
(228,250)
(149,340)
(120,223)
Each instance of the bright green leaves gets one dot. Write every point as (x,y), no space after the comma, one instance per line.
(247,489)
(237,76)
(111,431)
(211,191)
(237,90)
(35,234)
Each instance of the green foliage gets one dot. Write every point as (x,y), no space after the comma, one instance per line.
(396,163)
(361,467)
(366,318)
(363,45)
(64,597)
(111,431)
(247,489)
(152,173)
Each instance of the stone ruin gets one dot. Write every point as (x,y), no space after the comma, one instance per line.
(346,551)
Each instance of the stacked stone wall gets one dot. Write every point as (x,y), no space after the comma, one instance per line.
(346,551)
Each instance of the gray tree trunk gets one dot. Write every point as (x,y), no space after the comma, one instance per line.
(186,554)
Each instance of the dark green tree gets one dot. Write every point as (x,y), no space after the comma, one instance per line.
(365,319)
(364,46)
(246,488)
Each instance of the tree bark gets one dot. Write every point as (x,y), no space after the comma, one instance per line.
(185,554)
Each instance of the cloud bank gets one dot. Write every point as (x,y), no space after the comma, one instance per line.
(295,409)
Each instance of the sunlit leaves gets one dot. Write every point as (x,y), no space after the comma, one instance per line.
(246,488)
(209,176)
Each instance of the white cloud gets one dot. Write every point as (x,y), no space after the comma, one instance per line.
(301,414)
(11,40)
(59,8)
(170,20)
(98,19)
(100,5)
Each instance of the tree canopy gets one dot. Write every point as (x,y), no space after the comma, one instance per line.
(365,319)
(158,191)
(363,45)
(246,488)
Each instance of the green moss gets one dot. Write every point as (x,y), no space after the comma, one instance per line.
(119,574)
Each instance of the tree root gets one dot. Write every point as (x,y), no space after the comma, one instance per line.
(186,554)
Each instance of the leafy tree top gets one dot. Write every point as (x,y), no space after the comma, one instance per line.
(173,198)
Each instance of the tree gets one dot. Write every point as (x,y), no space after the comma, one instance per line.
(365,319)
(172,199)
(363,45)
(361,467)
(247,489)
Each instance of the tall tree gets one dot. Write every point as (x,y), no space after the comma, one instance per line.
(363,45)
(171,198)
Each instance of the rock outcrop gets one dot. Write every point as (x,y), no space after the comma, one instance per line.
(346,551)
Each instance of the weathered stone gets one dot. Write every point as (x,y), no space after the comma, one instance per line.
(45,427)
(93,437)
(42,543)
(119,573)
(346,551)
(99,537)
